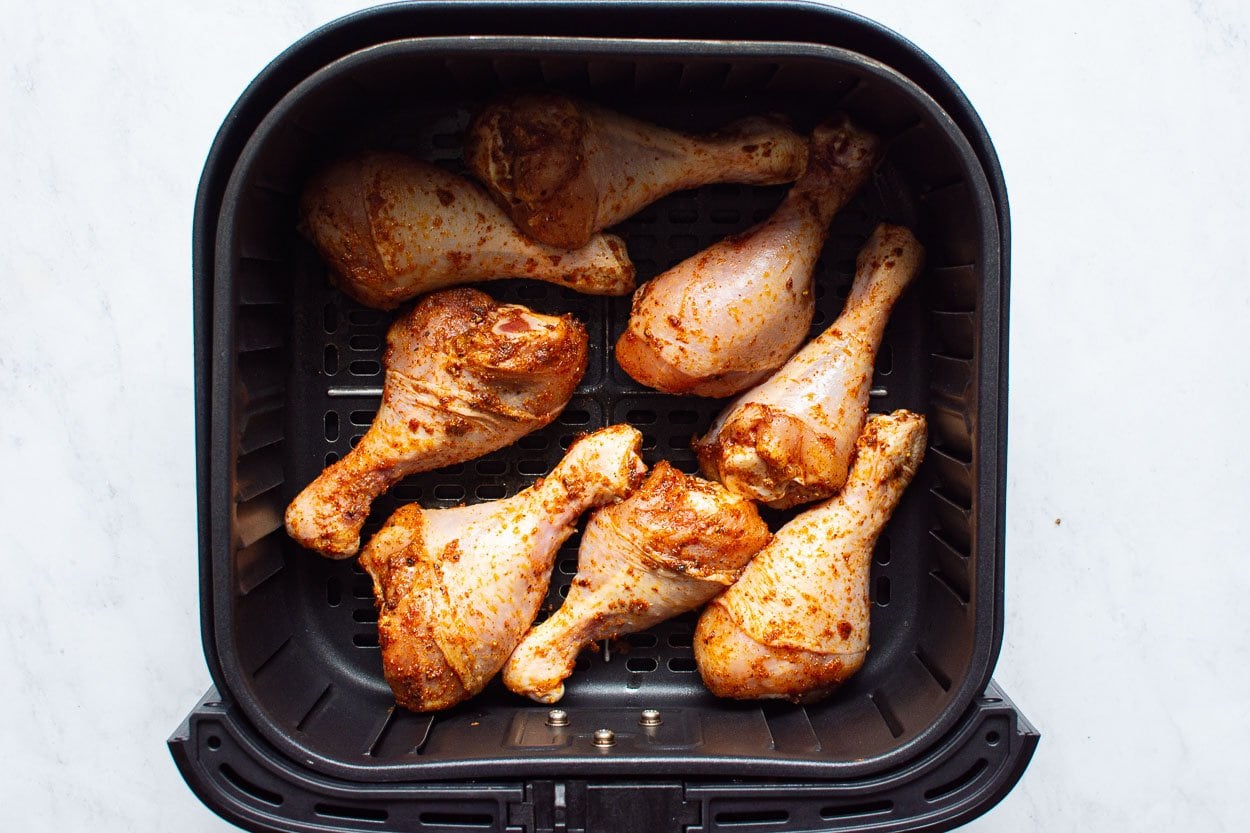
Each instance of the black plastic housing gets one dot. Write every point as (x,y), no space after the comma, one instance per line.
(287,376)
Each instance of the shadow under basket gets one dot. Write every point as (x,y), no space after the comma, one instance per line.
(301,731)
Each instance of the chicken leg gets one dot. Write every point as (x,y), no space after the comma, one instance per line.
(789,440)
(564,169)
(666,549)
(464,376)
(457,588)
(795,625)
(722,320)
(393,227)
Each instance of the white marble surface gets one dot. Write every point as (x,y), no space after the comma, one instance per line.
(1123,132)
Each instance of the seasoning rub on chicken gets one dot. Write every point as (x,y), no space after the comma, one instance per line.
(393,227)
(564,169)
(795,625)
(723,320)
(464,376)
(789,440)
(457,588)
(669,547)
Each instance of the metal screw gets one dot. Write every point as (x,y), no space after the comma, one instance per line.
(557,717)
(650,717)
(605,738)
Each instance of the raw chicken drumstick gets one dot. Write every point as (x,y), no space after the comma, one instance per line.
(457,588)
(795,625)
(464,376)
(666,549)
(722,320)
(789,440)
(564,169)
(392,227)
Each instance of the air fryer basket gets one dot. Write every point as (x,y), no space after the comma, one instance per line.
(301,377)
(298,732)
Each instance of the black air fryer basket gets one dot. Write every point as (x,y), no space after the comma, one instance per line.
(300,731)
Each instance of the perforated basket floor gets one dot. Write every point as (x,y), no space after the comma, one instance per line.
(299,379)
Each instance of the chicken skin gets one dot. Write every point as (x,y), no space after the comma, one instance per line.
(723,320)
(393,227)
(789,440)
(795,625)
(564,169)
(667,548)
(457,588)
(464,376)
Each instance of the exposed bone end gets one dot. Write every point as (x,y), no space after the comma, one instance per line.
(328,514)
(601,267)
(537,670)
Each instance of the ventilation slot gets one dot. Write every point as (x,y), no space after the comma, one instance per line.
(261,430)
(846,811)
(315,708)
(941,677)
(682,665)
(273,655)
(434,819)
(882,594)
(641,664)
(955,520)
(887,713)
(257,473)
(960,594)
(885,360)
(957,286)
(260,376)
(532,468)
(951,376)
(364,367)
(741,818)
(955,785)
(339,811)
(956,333)
(449,491)
(642,640)
(249,788)
(954,474)
(258,563)
(256,519)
